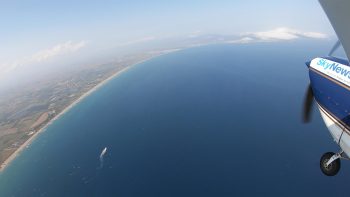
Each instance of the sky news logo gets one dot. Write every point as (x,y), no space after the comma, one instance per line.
(335,67)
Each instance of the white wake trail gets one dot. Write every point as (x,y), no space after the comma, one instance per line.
(104,151)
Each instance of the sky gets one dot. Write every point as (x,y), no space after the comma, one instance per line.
(34,31)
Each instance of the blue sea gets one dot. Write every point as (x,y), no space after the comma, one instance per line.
(217,120)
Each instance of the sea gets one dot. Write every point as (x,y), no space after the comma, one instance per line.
(215,120)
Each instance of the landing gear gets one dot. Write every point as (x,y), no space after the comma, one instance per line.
(330,163)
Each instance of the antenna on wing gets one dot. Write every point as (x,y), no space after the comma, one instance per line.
(335,47)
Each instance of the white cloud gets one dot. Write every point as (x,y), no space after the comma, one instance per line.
(242,40)
(7,67)
(60,49)
(283,34)
(43,55)
(314,35)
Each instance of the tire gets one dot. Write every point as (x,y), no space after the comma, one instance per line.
(333,168)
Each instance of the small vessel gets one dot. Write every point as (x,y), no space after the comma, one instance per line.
(103,152)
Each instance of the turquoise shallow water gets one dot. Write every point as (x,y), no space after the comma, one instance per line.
(218,120)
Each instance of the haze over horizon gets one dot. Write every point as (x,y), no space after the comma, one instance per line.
(39,37)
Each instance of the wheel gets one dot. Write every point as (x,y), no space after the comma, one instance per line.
(333,168)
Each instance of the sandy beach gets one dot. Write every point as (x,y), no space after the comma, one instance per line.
(28,142)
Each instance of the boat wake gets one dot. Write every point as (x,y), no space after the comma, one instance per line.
(104,151)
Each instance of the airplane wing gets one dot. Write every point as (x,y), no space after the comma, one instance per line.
(338,12)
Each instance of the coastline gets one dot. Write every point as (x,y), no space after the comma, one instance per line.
(70,106)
